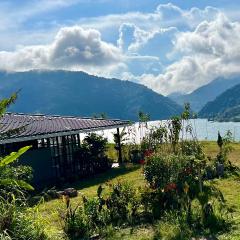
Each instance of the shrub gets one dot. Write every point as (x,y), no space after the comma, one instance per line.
(19,222)
(75,223)
(99,214)
(92,154)
(224,144)
(161,171)
(122,203)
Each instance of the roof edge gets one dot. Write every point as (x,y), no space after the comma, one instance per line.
(60,134)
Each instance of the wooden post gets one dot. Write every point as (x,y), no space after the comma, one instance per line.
(78,140)
(120,160)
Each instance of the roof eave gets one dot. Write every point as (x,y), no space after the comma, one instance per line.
(60,134)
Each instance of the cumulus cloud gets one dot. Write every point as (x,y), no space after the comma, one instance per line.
(72,47)
(211,50)
(169,49)
(165,15)
(127,36)
(145,51)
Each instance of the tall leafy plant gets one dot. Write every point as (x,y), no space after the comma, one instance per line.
(7,180)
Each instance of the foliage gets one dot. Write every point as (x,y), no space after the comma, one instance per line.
(176,172)
(74,221)
(161,170)
(14,179)
(178,193)
(125,148)
(5,103)
(19,222)
(122,203)
(16,221)
(172,226)
(95,144)
(92,154)
(11,178)
(224,144)
(118,207)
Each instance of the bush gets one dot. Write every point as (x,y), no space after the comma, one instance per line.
(75,223)
(92,155)
(20,222)
(99,214)
(122,203)
(160,170)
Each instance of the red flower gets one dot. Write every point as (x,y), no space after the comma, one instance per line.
(170,187)
(142,161)
(148,153)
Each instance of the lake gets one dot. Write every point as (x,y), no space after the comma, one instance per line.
(203,129)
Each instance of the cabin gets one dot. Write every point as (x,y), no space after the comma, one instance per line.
(54,141)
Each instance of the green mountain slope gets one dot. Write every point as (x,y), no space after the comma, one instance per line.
(77,93)
(226,107)
(206,93)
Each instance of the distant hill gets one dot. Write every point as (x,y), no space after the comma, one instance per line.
(225,107)
(206,93)
(77,93)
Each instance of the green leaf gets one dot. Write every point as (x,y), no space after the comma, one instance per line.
(5,103)
(18,183)
(13,156)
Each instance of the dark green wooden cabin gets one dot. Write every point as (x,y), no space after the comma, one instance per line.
(54,140)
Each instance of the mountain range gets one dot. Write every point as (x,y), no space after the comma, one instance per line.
(206,93)
(226,107)
(80,94)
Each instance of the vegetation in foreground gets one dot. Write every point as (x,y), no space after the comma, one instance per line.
(17,220)
(177,193)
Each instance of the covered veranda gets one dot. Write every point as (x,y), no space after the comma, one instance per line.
(54,141)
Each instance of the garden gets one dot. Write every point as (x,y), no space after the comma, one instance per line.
(170,186)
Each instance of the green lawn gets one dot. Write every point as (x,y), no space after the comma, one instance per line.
(230,187)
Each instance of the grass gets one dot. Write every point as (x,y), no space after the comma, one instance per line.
(211,149)
(50,209)
(229,186)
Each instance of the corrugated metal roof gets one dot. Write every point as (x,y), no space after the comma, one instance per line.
(41,126)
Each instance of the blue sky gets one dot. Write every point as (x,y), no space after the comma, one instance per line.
(169,46)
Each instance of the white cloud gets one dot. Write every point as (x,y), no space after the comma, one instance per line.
(73,47)
(170,49)
(210,51)
(166,15)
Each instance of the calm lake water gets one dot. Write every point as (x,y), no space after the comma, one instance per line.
(203,129)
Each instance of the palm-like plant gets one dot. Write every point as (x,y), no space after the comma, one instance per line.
(7,180)
(10,181)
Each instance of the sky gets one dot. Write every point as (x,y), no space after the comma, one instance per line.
(169,46)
